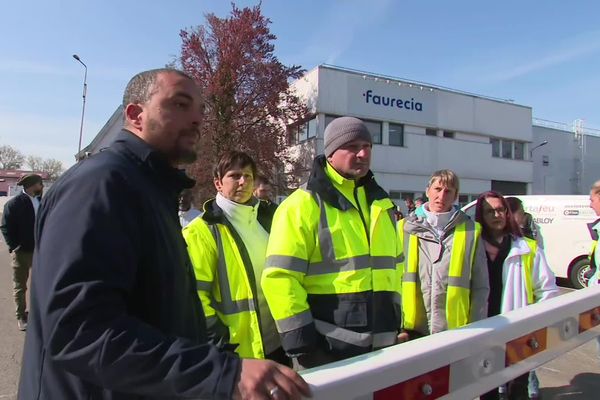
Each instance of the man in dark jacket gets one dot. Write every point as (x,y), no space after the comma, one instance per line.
(114,311)
(18,220)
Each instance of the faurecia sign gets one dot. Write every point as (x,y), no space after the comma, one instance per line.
(373,98)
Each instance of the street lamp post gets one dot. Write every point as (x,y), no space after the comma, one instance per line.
(75,56)
(545,142)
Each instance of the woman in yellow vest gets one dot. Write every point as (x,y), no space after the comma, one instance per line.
(518,272)
(595,230)
(227,246)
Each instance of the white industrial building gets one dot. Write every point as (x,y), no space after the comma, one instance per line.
(418,128)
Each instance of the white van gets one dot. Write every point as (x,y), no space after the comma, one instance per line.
(567,240)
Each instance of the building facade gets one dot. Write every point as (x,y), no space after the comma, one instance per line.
(568,163)
(418,128)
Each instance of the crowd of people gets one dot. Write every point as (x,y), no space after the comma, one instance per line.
(138,294)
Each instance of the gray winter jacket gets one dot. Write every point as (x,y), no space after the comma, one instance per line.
(434,264)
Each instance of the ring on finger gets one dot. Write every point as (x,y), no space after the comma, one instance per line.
(273,392)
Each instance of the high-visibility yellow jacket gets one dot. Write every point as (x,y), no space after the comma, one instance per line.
(331,266)
(225,281)
(444,280)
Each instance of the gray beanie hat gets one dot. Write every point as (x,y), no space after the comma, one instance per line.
(343,130)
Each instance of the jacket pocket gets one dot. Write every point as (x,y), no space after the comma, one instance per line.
(351,314)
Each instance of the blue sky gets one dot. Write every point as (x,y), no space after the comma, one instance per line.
(543,54)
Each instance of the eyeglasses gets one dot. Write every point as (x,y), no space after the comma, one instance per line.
(493,211)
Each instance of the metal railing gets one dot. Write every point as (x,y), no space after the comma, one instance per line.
(463,363)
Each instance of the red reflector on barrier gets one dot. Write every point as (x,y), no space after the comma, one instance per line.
(525,346)
(589,319)
(431,385)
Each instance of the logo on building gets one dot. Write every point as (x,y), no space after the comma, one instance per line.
(371,98)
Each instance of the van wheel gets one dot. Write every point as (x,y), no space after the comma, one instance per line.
(578,272)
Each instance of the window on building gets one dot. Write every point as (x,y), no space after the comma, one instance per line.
(396,135)
(519,151)
(495,147)
(449,134)
(463,199)
(374,128)
(431,132)
(302,132)
(507,148)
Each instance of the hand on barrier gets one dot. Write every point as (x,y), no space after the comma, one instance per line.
(265,379)
(402,337)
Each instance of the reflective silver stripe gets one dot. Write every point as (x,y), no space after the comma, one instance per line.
(344,335)
(203,285)
(294,322)
(383,262)
(469,248)
(325,238)
(400,259)
(405,249)
(227,305)
(288,263)
(234,307)
(463,281)
(410,277)
(384,339)
(334,266)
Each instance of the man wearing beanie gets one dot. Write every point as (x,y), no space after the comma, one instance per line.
(331,268)
(18,220)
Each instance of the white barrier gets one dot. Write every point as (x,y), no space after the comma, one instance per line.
(463,363)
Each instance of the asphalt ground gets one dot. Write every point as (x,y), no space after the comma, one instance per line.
(573,376)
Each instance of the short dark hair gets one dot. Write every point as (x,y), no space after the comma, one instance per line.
(233,159)
(261,179)
(139,88)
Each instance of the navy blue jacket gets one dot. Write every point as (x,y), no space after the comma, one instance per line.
(18,220)
(114,310)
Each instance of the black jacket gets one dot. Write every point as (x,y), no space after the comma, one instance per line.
(114,311)
(18,220)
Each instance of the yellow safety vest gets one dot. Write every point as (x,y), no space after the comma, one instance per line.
(458,300)
(223,285)
(316,249)
(528,260)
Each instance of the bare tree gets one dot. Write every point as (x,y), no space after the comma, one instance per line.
(34,163)
(53,167)
(10,158)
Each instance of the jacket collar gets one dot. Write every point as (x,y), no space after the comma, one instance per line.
(152,159)
(320,182)
(213,214)
(416,224)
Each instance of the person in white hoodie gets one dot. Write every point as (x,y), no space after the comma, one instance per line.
(227,246)
(518,272)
